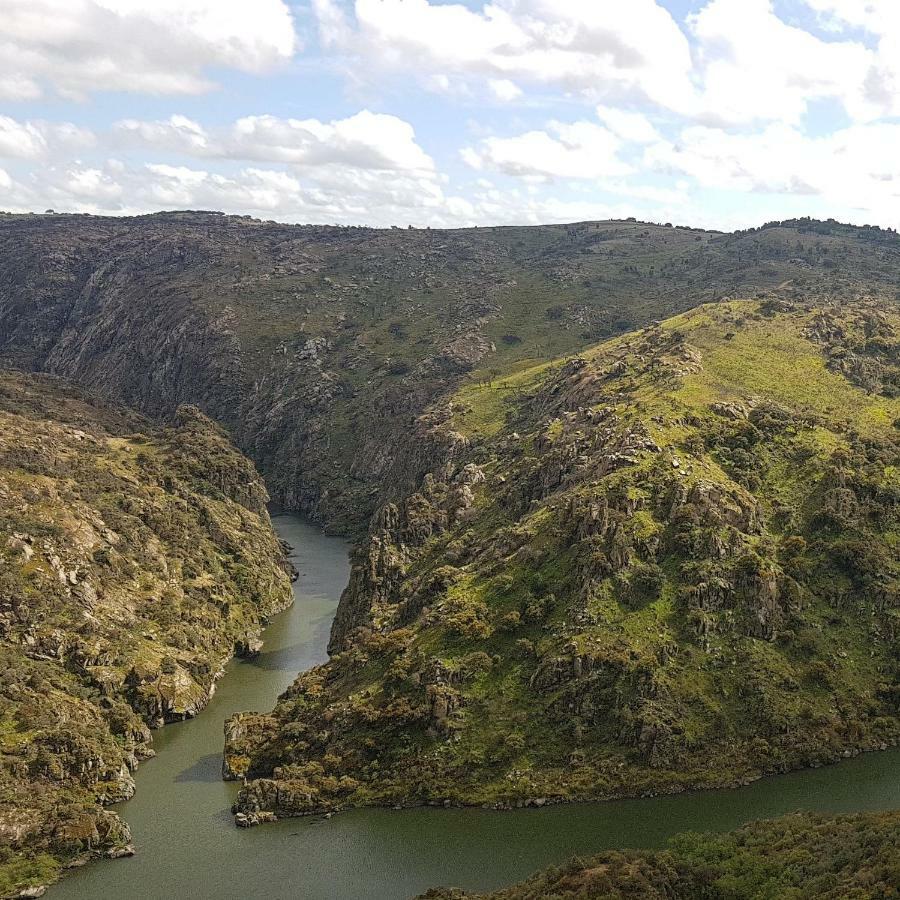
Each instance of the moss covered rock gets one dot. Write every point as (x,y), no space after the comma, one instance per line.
(134,560)
(669,562)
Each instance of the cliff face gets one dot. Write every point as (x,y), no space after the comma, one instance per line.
(668,562)
(319,348)
(135,560)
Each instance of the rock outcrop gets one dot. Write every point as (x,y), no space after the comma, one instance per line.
(135,559)
(666,563)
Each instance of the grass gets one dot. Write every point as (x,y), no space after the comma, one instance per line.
(22,872)
(678,685)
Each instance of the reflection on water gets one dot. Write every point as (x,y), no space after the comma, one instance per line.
(188,846)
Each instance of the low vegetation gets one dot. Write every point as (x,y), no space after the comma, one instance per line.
(801,857)
(135,559)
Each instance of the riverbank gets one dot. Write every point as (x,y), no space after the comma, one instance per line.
(185,837)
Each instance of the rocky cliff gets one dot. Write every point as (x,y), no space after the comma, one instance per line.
(667,562)
(135,560)
(319,348)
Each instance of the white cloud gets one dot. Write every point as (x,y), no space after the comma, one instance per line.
(756,67)
(881,18)
(31,140)
(630,126)
(736,61)
(661,117)
(153,46)
(362,182)
(92,185)
(20,139)
(578,150)
(855,168)
(631,48)
(177,133)
(365,140)
(504,89)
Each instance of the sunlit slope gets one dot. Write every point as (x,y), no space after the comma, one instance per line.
(135,560)
(669,562)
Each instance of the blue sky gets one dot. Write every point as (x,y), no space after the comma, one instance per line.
(719,113)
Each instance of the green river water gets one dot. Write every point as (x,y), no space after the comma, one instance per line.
(187,846)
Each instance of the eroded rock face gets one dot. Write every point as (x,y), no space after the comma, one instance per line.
(135,559)
(645,576)
(319,348)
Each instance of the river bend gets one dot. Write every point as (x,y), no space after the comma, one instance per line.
(188,847)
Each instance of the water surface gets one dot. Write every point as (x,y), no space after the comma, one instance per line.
(187,846)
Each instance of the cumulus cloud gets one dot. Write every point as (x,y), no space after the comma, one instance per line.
(628,125)
(756,67)
(577,150)
(881,18)
(619,48)
(20,139)
(76,47)
(350,196)
(581,150)
(733,62)
(725,116)
(364,168)
(365,140)
(33,140)
(854,168)
(504,89)
(177,133)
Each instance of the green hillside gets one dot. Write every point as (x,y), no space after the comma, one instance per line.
(668,562)
(135,560)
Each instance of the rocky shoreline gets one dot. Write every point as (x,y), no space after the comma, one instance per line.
(136,559)
(627,586)
(248,813)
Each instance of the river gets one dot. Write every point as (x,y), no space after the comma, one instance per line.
(187,846)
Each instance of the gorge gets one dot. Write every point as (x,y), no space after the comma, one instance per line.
(184,834)
(624,500)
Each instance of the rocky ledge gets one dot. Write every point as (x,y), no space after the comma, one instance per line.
(135,560)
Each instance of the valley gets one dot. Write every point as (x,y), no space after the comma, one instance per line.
(183,831)
(623,500)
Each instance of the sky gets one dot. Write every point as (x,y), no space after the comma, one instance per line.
(713,113)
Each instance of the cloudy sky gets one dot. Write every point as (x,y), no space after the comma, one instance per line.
(720,113)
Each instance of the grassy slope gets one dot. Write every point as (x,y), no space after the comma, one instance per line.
(320,346)
(670,563)
(802,857)
(134,561)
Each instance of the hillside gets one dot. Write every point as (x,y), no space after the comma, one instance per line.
(135,560)
(802,857)
(668,562)
(320,347)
